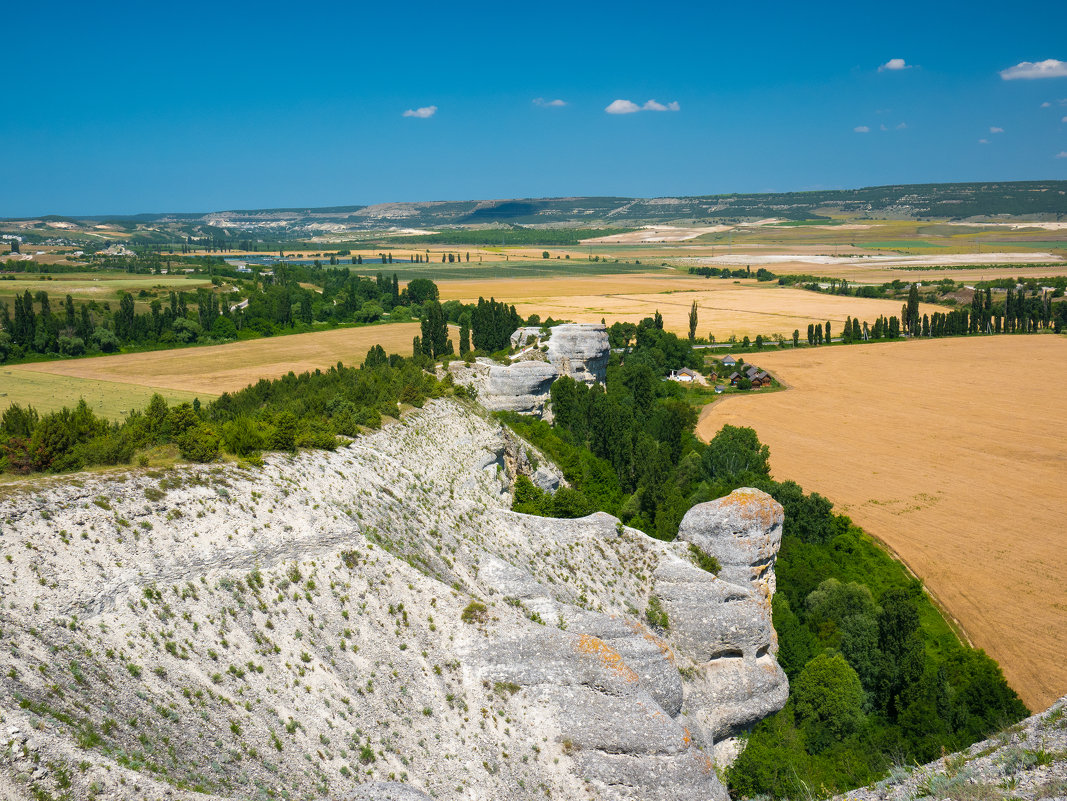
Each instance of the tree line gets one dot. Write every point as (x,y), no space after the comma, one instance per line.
(311,410)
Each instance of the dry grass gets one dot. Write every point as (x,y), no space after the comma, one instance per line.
(215,369)
(956,460)
(515,290)
(724,307)
(47,393)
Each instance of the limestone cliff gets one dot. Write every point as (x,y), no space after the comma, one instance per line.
(372,623)
(580,351)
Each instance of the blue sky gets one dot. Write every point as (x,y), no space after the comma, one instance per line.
(138,107)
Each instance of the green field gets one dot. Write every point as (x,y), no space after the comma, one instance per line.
(49,393)
(105,285)
(903,243)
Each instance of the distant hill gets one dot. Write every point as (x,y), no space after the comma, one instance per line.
(1030,199)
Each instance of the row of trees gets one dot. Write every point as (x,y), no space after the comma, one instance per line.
(269,303)
(852,331)
(761,274)
(306,411)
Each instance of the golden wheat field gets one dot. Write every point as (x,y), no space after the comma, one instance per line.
(952,453)
(215,369)
(724,308)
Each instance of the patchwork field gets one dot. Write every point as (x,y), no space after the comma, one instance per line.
(214,369)
(724,307)
(953,463)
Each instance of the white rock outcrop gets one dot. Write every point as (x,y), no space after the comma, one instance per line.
(580,351)
(363,618)
(519,387)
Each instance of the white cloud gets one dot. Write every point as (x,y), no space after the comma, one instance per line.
(895,64)
(1064,119)
(421,113)
(902,126)
(1049,68)
(861,129)
(629,107)
(652,105)
(1062,154)
(557,103)
(1046,104)
(983,141)
(622,107)
(995,129)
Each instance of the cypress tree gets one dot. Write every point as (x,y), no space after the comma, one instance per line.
(911,324)
(72,318)
(693,322)
(464,335)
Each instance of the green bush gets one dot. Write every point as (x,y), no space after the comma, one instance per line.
(199,444)
(474,612)
(704,561)
(242,437)
(827,700)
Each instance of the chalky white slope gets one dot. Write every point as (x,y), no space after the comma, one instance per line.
(372,623)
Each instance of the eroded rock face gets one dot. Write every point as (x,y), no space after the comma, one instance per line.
(723,623)
(743,531)
(521,387)
(580,351)
(379,598)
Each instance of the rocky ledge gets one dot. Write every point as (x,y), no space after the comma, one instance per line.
(580,351)
(1027,761)
(373,623)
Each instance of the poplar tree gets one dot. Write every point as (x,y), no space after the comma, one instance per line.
(693,322)
(911,321)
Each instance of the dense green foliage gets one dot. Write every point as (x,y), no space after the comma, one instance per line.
(286,299)
(877,676)
(628,449)
(309,410)
(492,324)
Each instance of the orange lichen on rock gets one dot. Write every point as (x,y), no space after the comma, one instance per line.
(687,737)
(754,505)
(606,655)
(705,762)
(639,628)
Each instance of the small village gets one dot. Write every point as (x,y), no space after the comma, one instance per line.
(728,373)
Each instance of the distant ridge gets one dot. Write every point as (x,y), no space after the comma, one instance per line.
(1046,200)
